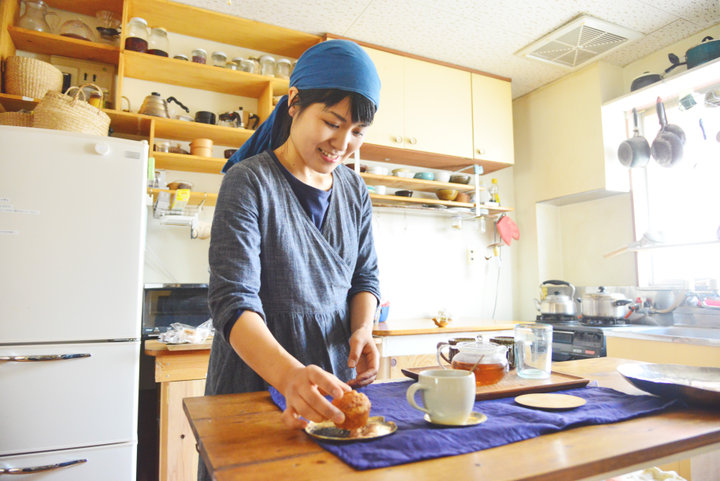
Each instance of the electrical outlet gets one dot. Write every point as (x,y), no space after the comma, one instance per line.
(98,75)
(471,255)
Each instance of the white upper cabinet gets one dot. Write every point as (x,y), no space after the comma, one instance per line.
(492,119)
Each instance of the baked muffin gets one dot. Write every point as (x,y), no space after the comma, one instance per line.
(356,407)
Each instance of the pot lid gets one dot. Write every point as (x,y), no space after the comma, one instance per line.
(602,295)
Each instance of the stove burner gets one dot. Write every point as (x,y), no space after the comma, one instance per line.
(602,321)
(556,319)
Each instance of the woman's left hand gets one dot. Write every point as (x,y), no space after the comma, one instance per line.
(364,357)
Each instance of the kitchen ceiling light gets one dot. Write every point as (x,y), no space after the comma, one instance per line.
(578,42)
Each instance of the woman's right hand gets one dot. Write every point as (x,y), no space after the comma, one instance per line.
(303,390)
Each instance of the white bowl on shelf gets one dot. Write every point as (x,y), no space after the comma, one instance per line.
(378,170)
(442,176)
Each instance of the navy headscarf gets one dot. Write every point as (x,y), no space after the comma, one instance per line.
(335,64)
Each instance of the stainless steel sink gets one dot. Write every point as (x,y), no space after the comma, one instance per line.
(682,331)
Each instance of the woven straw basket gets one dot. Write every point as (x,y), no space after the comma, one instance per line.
(30,77)
(68,112)
(19,119)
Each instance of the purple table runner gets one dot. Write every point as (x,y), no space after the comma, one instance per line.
(507,422)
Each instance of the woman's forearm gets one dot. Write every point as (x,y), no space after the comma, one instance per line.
(255,344)
(362,311)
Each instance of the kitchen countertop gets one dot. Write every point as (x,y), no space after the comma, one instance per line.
(427,326)
(241,436)
(701,336)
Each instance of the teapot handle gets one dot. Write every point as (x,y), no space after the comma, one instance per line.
(440,354)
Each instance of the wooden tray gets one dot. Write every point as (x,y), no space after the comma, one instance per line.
(513,385)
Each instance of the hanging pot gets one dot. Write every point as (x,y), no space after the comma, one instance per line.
(667,148)
(635,151)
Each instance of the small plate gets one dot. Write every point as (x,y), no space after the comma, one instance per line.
(376,427)
(472,420)
(550,401)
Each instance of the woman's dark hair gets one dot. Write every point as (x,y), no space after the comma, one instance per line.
(361,109)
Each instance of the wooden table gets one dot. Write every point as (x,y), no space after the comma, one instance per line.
(241,436)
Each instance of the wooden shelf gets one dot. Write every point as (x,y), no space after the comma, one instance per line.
(87,7)
(14,103)
(421,185)
(219,27)
(129,123)
(381,153)
(200,76)
(51,44)
(400,201)
(183,130)
(196,198)
(188,163)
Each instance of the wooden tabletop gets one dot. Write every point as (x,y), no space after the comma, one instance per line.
(241,436)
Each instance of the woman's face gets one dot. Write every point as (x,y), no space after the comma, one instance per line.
(325,136)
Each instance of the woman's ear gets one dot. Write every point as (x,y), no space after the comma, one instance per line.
(292,101)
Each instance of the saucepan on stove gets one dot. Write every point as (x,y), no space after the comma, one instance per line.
(559,299)
(603,304)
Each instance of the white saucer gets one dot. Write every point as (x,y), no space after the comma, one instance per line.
(472,420)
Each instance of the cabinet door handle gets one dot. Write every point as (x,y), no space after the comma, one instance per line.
(412,140)
(39,469)
(397,139)
(46,357)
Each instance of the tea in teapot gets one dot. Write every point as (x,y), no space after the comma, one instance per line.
(487,361)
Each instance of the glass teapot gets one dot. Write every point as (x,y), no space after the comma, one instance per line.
(36,17)
(487,361)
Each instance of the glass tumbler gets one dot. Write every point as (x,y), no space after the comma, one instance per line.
(533,350)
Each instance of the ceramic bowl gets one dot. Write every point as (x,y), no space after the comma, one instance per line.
(404,193)
(446,194)
(425,176)
(403,173)
(460,179)
(442,176)
(380,189)
(371,189)
(378,170)
(462,197)
(179,184)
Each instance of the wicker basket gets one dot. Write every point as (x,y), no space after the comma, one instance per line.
(30,77)
(69,112)
(19,119)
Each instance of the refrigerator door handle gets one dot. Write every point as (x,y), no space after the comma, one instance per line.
(47,357)
(38,469)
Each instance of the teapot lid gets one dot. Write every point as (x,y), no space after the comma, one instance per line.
(484,348)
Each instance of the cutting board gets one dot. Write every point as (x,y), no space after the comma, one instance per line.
(513,385)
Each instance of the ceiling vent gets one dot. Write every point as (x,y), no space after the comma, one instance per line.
(578,42)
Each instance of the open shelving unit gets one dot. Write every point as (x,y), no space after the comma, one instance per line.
(204,24)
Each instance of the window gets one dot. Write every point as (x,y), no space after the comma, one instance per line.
(680,205)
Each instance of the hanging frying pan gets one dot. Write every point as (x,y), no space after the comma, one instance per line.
(667,148)
(635,151)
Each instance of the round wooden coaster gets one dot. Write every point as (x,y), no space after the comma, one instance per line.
(550,401)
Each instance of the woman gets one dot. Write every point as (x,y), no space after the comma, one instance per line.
(293,282)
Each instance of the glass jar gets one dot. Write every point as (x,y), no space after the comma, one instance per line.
(238,62)
(256,64)
(282,68)
(158,44)
(219,59)
(247,65)
(199,55)
(181,57)
(488,361)
(267,65)
(137,35)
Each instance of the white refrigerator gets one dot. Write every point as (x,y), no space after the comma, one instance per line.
(72,236)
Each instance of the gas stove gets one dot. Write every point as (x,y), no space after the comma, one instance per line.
(579,337)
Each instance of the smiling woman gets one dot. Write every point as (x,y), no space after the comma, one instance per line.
(293,270)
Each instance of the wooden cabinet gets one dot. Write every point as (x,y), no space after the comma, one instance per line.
(180,374)
(492,119)
(413,116)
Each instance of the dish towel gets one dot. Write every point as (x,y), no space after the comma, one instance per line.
(507,422)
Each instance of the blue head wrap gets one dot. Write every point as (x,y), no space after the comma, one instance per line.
(335,64)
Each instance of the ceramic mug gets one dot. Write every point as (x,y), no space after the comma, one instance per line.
(448,395)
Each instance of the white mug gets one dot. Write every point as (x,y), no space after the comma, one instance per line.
(448,395)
